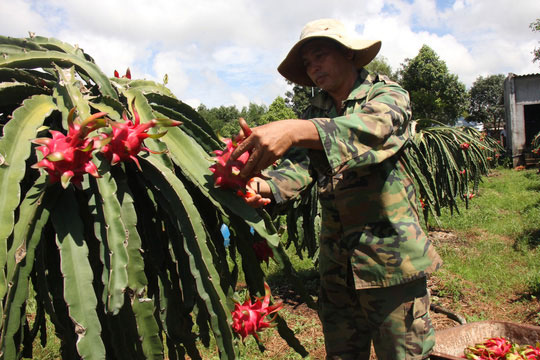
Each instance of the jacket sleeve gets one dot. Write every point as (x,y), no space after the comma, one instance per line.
(371,131)
(291,176)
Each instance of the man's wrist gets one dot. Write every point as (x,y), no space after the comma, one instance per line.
(304,134)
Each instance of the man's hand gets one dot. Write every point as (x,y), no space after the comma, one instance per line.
(269,142)
(259,192)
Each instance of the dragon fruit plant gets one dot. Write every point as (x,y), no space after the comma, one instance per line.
(109,213)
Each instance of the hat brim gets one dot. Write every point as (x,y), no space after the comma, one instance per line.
(293,69)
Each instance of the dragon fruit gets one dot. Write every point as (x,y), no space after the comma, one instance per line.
(501,348)
(249,318)
(126,139)
(263,252)
(126,76)
(226,175)
(66,158)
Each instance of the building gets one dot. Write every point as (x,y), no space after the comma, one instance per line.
(522,108)
(476,125)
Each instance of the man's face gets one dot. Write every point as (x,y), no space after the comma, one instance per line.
(325,63)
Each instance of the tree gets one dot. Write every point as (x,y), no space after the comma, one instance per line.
(210,117)
(253,113)
(435,93)
(298,98)
(278,111)
(222,119)
(380,65)
(486,105)
(535,26)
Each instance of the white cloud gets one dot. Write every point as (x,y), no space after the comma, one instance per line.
(223,52)
(169,63)
(240,99)
(109,53)
(234,55)
(13,24)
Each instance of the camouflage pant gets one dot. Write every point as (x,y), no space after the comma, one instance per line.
(396,318)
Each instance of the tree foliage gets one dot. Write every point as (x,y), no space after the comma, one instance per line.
(219,117)
(224,119)
(486,104)
(535,26)
(298,98)
(254,113)
(436,94)
(380,65)
(278,110)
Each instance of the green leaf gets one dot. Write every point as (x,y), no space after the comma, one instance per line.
(27,235)
(116,238)
(37,59)
(69,86)
(181,206)
(112,107)
(180,107)
(23,44)
(183,149)
(78,276)
(16,92)
(137,280)
(15,148)
(146,86)
(197,133)
(57,45)
(23,76)
(147,327)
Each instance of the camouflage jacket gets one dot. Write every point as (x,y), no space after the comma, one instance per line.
(370,222)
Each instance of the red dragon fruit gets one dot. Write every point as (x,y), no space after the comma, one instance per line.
(126,139)
(532,352)
(501,348)
(66,158)
(263,252)
(249,318)
(226,174)
(126,76)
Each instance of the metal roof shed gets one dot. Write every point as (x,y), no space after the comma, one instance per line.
(522,108)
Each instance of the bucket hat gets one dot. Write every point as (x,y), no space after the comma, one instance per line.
(292,68)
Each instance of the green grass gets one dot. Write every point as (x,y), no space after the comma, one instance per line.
(498,248)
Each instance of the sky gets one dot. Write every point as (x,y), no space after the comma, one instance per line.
(225,52)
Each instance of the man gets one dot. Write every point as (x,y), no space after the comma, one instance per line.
(374,256)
